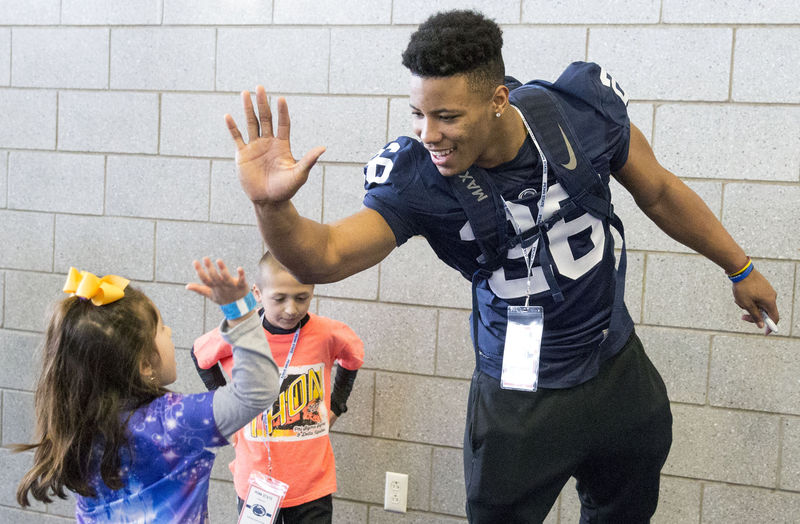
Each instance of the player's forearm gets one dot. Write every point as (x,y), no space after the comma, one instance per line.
(683,215)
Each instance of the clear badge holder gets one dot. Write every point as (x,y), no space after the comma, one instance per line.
(263,499)
(523,344)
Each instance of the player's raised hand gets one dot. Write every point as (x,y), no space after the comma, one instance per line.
(267,170)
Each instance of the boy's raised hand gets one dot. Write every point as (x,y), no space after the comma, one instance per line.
(218,285)
(267,170)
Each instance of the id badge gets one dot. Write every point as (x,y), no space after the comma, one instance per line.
(263,500)
(523,343)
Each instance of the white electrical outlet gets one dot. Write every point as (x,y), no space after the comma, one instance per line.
(396,494)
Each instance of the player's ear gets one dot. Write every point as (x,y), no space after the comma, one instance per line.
(500,99)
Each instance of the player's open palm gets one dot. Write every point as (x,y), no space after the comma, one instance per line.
(267,170)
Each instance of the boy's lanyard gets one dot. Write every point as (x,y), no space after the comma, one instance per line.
(265,414)
(530,255)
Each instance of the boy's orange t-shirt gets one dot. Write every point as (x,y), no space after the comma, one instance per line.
(298,420)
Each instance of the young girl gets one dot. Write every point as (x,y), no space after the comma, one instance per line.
(108,429)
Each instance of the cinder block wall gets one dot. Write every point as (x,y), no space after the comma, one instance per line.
(114,158)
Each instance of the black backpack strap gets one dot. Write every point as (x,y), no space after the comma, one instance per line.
(486,214)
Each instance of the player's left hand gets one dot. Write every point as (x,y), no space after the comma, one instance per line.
(753,294)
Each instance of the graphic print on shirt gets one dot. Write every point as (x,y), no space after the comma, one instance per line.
(576,246)
(299,413)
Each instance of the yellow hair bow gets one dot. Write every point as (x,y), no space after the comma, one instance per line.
(101,291)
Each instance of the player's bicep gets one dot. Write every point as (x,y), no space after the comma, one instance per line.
(642,175)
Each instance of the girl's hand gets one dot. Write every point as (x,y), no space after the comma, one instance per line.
(218,285)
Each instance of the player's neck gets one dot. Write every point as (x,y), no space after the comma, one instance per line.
(507,139)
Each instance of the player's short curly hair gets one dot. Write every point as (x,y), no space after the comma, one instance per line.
(457,42)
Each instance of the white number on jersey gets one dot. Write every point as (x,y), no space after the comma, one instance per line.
(372,175)
(609,81)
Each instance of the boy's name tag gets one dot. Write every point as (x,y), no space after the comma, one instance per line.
(264,499)
(523,343)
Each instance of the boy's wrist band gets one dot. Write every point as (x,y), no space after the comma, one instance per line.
(239,308)
(742,273)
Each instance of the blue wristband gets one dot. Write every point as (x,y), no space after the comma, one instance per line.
(239,308)
(741,276)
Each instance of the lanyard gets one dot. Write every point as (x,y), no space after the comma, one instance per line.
(530,255)
(265,414)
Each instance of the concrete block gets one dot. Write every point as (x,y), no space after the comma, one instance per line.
(3,179)
(399,119)
(344,192)
(63,507)
(21,357)
(59,182)
(221,471)
(5,56)
(417,11)
(724,504)
(568,506)
(90,121)
(331,12)
(222,502)
(678,501)
(60,57)
(758,80)
(352,128)
(19,418)
(15,465)
(455,354)
(577,12)
(774,209)
(729,12)
(755,373)
(360,406)
(362,463)
(27,240)
(158,58)
(564,45)
(109,12)
(188,380)
(347,512)
(217,12)
(2,297)
(29,119)
(374,49)
(158,187)
(398,398)
(723,445)
(35,12)
(181,310)
(102,245)
(203,114)
(396,338)
(627,55)
(772,135)
(681,358)
(363,285)
(18,516)
(795,327)
(642,233)
(296,60)
(179,243)
(377,515)
(641,115)
(448,494)
(414,275)
(634,282)
(28,301)
(699,295)
(790,454)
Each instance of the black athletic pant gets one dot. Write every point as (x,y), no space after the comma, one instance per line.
(612,433)
(319,511)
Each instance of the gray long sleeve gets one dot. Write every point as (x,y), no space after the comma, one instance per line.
(254,385)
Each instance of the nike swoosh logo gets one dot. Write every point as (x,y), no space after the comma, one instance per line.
(573,162)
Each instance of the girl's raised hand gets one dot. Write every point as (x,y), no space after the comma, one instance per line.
(218,285)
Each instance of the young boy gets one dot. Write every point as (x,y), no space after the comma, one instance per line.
(290,440)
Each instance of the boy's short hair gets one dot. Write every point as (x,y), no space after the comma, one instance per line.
(268,263)
(458,42)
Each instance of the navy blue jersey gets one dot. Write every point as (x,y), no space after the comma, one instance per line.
(404,186)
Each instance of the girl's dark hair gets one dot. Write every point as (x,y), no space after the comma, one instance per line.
(457,42)
(89,384)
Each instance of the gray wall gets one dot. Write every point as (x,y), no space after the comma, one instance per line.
(114,158)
